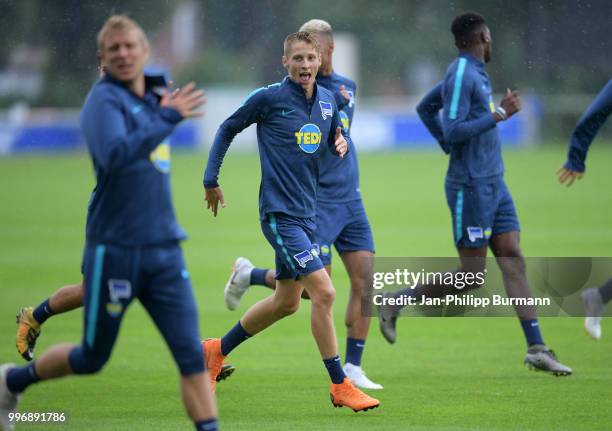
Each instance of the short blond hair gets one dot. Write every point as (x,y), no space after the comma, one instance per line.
(318,26)
(300,36)
(119,23)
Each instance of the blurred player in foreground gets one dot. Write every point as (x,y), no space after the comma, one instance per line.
(594,117)
(69,297)
(340,219)
(482,209)
(298,125)
(133,239)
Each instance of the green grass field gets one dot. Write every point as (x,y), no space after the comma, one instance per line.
(442,374)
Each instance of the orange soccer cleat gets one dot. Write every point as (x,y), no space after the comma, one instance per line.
(28,331)
(346,394)
(214,359)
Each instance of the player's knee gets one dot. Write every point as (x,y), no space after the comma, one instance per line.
(287,307)
(85,361)
(512,266)
(361,284)
(323,296)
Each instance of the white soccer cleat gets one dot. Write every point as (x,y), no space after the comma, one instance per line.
(358,377)
(594,309)
(592,326)
(8,400)
(541,358)
(238,283)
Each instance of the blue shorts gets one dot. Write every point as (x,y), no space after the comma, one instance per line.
(291,238)
(157,276)
(480,211)
(344,225)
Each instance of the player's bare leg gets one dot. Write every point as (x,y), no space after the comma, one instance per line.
(507,251)
(198,397)
(54,363)
(322,295)
(284,302)
(67,298)
(360,268)
(30,320)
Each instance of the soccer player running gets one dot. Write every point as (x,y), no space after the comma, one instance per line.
(132,241)
(296,120)
(482,209)
(340,219)
(594,299)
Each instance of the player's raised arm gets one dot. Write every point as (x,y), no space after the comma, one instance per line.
(583,135)
(111,145)
(250,112)
(428,110)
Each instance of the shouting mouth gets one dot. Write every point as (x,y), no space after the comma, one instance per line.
(305,77)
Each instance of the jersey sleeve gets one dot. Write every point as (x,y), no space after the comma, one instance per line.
(251,111)
(457,100)
(428,110)
(587,127)
(111,145)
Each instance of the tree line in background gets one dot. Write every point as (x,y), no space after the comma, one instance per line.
(554,47)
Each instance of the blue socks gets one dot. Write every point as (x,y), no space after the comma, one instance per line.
(531,328)
(233,339)
(258,277)
(334,369)
(43,312)
(606,291)
(354,351)
(18,379)
(207,425)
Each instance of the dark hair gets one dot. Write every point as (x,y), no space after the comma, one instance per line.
(465,28)
(303,36)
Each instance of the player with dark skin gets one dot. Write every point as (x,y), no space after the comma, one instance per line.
(468,123)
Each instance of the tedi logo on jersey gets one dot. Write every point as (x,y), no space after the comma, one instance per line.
(160,157)
(326,109)
(309,138)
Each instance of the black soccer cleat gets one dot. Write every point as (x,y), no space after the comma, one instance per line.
(226,371)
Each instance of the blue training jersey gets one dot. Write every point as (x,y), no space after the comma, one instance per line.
(290,133)
(468,124)
(125,134)
(587,127)
(339,180)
